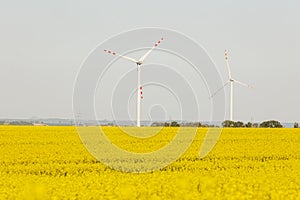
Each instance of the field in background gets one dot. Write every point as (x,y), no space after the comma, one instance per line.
(52,163)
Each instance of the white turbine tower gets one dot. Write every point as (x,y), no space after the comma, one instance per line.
(230,81)
(139,86)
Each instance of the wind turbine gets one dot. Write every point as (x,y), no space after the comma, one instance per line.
(230,81)
(139,86)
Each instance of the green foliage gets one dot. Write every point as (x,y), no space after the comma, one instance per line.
(296,125)
(174,123)
(228,123)
(271,124)
(239,124)
(232,124)
(21,123)
(166,124)
(249,125)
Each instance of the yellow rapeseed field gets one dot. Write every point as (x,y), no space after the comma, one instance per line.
(52,163)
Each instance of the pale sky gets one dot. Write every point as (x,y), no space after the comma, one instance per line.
(43,44)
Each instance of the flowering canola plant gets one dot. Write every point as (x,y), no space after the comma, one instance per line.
(52,163)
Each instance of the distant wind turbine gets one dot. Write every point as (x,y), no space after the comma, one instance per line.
(230,81)
(139,86)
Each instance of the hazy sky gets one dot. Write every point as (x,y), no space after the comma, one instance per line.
(43,43)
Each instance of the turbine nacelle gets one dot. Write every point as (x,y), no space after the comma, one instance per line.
(139,63)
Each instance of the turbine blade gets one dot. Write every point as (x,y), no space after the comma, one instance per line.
(227,64)
(121,56)
(148,52)
(243,84)
(216,92)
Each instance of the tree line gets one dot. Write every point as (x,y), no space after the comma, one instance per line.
(265,124)
(185,124)
(226,123)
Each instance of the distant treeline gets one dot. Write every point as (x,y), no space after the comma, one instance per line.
(19,123)
(33,123)
(226,123)
(186,124)
(265,124)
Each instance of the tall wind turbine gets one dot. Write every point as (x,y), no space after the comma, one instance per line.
(230,81)
(138,63)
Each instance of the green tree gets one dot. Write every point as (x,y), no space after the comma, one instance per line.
(228,123)
(255,125)
(167,124)
(238,124)
(296,125)
(249,125)
(271,124)
(174,124)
